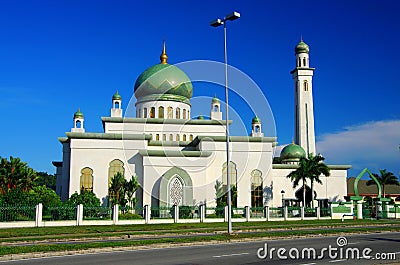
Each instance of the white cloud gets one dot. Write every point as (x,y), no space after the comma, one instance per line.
(374,145)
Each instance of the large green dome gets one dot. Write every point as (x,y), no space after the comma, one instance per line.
(163,82)
(292,152)
(302,47)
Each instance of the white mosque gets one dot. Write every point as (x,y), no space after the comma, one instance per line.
(177,159)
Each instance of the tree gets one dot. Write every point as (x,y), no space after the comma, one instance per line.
(311,168)
(15,174)
(117,189)
(86,198)
(130,188)
(221,194)
(385,178)
(46,179)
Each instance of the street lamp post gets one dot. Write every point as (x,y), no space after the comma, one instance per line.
(283,198)
(216,23)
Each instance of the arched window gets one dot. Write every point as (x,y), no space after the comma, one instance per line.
(191,137)
(178,113)
(177,137)
(145,113)
(164,137)
(188,114)
(78,124)
(256,189)
(115,166)
(304,61)
(232,173)
(153,112)
(86,181)
(305,85)
(175,190)
(216,108)
(184,137)
(161,112)
(184,114)
(257,129)
(116,105)
(140,113)
(171,137)
(170,113)
(157,137)
(299,62)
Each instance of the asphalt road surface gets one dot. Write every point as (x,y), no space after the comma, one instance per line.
(355,249)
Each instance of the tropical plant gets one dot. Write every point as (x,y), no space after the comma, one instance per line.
(15,174)
(310,168)
(130,188)
(117,190)
(385,178)
(221,194)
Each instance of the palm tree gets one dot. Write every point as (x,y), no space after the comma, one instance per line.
(27,179)
(318,168)
(385,178)
(130,189)
(12,174)
(116,189)
(309,168)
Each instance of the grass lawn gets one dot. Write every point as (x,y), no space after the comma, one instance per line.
(46,238)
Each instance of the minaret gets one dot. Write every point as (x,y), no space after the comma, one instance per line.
(303,99)
(256,127)
(116,109)
(216,113)
(78,122)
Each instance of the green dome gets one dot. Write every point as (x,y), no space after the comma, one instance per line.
(117,96)
(292,152)
(256,119)
(302,47)
(201,117)
(78,114)
(163,82)
(215,100)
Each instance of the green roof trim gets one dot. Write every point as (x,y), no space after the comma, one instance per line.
(108,136)
(301,68)
(245,139)
(290,166)
(169,143)
(173,153)
(164,121)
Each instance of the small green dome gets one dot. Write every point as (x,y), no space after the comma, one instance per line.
(201,117)
(256,119)
(292,152)
(302,47)
(163,82)
(117,96)
(215,100)
(78,114)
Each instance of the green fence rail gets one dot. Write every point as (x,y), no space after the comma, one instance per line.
(215,212)
(276,212)
(310,212)
(59,213)
(97,213)
(325,212)
(189,212)
(257,212)
(293,211)
(17,213)
(161,212)
(128,213)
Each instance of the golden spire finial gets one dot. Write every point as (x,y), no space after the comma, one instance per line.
(292,141)
(163,56)
(301,37)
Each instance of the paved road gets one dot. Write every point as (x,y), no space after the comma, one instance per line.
(243,253)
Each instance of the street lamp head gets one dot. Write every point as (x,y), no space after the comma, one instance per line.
(283,192)
(233,16)
(216,23)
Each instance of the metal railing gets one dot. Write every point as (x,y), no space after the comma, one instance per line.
(11,213)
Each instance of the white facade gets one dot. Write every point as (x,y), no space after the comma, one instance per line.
(178,160)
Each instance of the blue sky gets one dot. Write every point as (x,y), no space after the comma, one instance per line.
(56,56)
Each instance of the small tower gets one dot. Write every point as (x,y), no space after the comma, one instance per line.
(256,127)
(78,122)
(216,113)
(116,110)
(304,110)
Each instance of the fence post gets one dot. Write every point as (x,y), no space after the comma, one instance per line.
(38,215)
(359,210)
(318,210)
(247,213)
(115,214)
(79,214)
(302,212)
(176,213)
(267,213)
(226,214)
(147,214)
(202,210)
